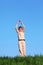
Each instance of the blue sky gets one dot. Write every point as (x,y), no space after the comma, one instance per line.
(31,13)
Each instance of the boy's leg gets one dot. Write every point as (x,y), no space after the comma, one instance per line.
(20,48)
(24,49)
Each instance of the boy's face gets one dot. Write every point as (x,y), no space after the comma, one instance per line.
(20,29)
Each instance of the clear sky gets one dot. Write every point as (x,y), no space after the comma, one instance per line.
(31,13)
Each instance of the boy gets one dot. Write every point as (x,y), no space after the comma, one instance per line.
(21,40)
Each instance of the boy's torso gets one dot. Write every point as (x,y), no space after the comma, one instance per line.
(21,35)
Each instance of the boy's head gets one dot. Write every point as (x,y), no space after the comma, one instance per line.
(20,28)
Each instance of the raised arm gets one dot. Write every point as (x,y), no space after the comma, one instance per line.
(17,27)
(23,26)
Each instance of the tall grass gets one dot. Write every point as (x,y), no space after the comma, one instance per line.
(30,60)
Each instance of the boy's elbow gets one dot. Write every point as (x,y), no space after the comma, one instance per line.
(17,30)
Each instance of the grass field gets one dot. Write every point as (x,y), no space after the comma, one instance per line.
(30,60)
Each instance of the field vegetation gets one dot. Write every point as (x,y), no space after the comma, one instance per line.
(29,60)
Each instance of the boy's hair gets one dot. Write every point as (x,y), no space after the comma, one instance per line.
(20,27)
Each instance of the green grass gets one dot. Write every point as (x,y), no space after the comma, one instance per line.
(30,60)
